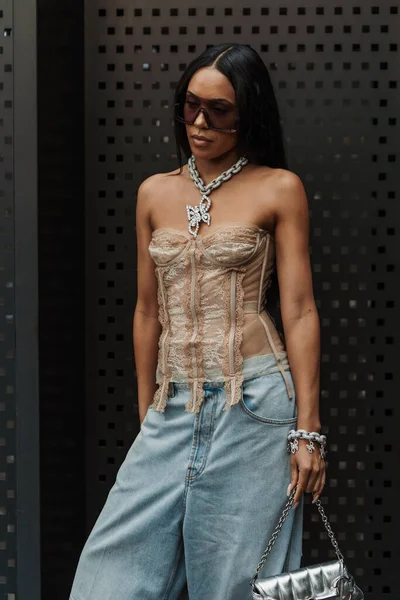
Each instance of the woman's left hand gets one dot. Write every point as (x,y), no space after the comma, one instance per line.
(307,471)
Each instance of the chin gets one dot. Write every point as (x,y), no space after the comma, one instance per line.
(202,151)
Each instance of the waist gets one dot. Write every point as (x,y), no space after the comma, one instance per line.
(251,367)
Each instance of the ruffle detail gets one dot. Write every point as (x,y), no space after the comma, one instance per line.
(233,380)
(200,311)
(233,390)
(161,396)
(196,397)
(239,325)
(186,305)
(226,304)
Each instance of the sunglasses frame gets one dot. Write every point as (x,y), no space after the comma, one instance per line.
(206,116)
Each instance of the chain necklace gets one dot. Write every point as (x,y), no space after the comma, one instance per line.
(199,213)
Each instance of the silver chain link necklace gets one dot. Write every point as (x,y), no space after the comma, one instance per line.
(199,213)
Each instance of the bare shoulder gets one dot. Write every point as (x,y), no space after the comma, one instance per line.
(285,190)
(153,190)
(279,179)
(155,184)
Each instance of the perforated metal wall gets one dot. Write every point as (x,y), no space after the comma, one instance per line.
(19,398)
(335,69)
(8,477)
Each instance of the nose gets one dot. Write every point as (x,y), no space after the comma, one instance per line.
(200,120)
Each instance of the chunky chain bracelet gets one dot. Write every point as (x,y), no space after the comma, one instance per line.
(311,436)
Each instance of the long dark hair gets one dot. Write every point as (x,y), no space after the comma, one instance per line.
(259,134)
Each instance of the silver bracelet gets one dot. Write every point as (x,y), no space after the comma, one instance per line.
(312,436)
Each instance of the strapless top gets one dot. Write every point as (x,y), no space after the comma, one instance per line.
(212,291)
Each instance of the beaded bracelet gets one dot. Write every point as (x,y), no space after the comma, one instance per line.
(312,436)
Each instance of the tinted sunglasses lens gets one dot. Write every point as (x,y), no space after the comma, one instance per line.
(217,117)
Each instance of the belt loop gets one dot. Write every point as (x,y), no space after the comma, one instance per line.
(171,389)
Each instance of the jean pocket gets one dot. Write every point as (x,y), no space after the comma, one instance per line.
(265,399)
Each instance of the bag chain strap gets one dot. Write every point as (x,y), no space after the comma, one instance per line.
(279,527)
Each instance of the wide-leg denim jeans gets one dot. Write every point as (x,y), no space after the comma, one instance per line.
(198,497)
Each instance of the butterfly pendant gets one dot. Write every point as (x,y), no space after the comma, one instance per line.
(199,213)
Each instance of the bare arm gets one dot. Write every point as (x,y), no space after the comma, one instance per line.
(299,313)
(301,326)
(146,327)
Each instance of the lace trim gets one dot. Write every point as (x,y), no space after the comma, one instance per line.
(241,234)
(227,322)
(197,396)
(187,350)
(161,394)
(193,277)
(198,392)
(192,405)
(233,387)
(233,390)
(165,249)
(239,316)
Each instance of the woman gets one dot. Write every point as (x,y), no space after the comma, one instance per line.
(205,481)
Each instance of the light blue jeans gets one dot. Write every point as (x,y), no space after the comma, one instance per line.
(197,499)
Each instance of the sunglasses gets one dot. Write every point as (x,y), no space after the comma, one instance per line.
(218,117)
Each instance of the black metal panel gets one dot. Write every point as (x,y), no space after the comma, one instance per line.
(334,68)
(61,290)
(8,433)
(26,301)
(19,397)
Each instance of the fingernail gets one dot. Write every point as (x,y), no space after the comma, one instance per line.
(315,499)
(288,490)
(295,505)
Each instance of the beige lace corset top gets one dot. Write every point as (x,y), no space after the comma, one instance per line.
(211,293)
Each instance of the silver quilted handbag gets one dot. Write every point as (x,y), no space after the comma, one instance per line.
(325,581)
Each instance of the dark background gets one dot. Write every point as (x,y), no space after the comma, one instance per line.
(103,122)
